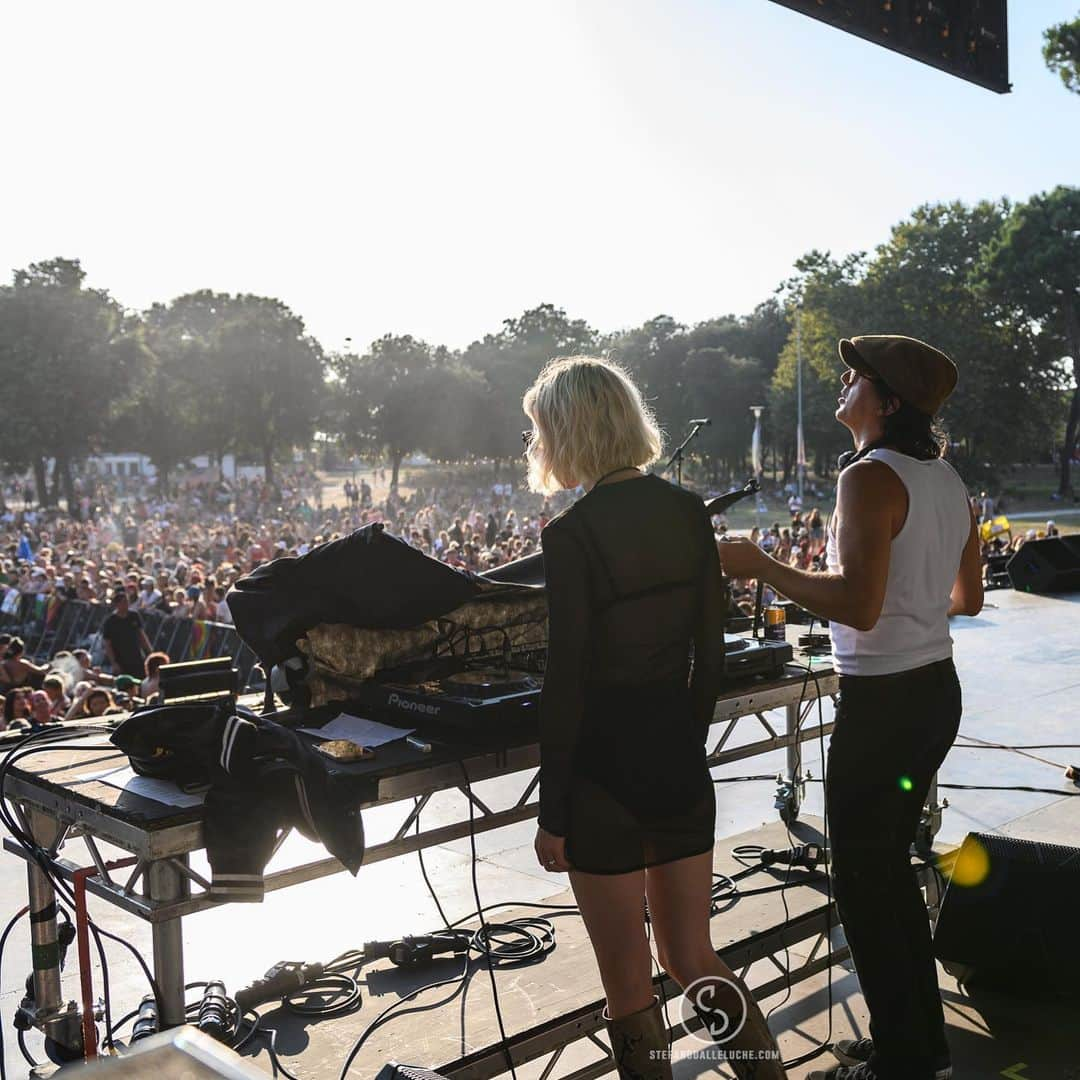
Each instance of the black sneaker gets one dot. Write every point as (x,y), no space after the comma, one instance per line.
(845,1072)
(857,1051)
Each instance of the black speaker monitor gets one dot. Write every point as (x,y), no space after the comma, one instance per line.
(1008,917)
(1050,565)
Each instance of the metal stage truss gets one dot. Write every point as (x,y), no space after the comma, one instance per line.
(161,887)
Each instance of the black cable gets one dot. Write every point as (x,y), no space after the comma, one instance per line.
(827,1042)
(993,787)
(484,928)
(275,1060)
(121,1022)
(3,941)
(106,1040)
(460,979)
(330,981)
(1010,787)
(974,743)
(21,1036)
(423,869)
(1003,746)
(159,1001)
(507,952)
(49,739)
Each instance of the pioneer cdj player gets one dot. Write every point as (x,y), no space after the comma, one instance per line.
(476,698)
(503,690)
(472,699)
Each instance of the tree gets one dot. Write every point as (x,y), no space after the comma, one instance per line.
(510,360)
(655,354)
(722,387)
(69,358)
(1032,269)
(403,396)
(921,282)
(825,302)
(269,373)
(1061,51)
(175,412)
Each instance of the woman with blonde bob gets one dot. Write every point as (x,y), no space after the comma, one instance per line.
(627,805)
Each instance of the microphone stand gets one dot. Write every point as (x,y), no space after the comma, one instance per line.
(677,457)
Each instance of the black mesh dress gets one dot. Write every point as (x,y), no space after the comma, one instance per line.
(634,581)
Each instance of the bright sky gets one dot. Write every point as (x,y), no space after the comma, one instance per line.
(391,166)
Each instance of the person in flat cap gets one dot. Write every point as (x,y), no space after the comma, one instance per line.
(902,556)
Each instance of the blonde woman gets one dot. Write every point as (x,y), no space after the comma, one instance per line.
(627,805)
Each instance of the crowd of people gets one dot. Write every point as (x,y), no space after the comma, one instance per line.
(134,550)
(69,687)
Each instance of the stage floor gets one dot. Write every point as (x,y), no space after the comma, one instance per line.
(1019,664)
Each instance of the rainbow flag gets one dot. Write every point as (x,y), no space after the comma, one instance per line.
(200,639)
(52,610)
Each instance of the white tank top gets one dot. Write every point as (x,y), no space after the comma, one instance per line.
(913,628)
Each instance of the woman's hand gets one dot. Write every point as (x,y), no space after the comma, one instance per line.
(551,851)
(741,557)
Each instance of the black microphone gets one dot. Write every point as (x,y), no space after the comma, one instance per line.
(704,421)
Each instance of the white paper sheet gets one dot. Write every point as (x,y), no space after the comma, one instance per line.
(162,791)
(359,730)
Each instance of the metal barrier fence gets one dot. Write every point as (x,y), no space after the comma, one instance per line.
(50,624)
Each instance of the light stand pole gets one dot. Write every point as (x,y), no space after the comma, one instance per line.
(755,458)
(800,448)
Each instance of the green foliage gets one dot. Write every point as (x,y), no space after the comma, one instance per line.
(923,281)
(826,299)
(1061,51)
(996,286)
(176,411)
(509,361)
(404,396)
(269,372)
(718,368)
(1031,270)
(70,358)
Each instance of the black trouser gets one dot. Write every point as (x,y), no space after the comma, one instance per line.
(891,734)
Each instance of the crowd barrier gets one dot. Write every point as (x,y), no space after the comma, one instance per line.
(50,624)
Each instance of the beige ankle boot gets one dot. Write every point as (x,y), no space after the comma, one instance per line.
(753,1036)
(632,1039)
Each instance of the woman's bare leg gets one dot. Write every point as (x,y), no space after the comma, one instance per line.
(678,894)
(613,908)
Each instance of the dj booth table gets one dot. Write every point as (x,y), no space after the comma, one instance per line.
(59,801)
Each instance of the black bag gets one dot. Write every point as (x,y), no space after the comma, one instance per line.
(369,578)
(188,744)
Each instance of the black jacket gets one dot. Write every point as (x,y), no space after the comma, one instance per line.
(263,777)
(369,578)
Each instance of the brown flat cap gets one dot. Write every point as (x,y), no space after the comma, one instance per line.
(916,372)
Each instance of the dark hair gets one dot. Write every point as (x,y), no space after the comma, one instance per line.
(908,430)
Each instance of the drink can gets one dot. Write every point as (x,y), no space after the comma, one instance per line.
(775,624)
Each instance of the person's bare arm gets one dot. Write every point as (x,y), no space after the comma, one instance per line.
(967,591)
(871,505)
(76,706)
